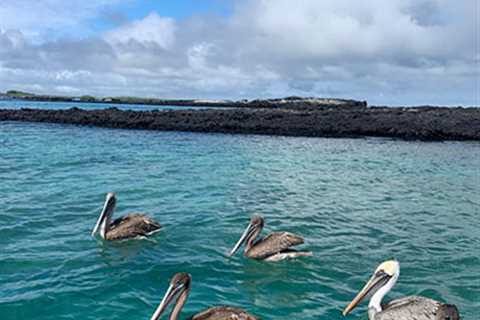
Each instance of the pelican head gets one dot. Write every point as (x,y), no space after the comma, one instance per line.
(178,288)
(254,227)
(381,282)
(105,215)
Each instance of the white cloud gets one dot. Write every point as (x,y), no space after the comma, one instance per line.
(67,75)
(330,28)
(197,55)
(152,30)
(397,51)
(48,19)
(11,39)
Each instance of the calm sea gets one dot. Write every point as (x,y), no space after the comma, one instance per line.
(18,104)
(357,202)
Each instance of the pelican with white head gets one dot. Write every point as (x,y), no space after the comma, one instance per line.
(408,308)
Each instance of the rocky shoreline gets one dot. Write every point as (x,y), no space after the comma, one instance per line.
(414,123)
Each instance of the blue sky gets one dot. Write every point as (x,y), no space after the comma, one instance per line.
(397,52)
(177,9)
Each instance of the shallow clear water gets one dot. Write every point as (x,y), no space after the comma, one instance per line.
(357,203)
(18,104)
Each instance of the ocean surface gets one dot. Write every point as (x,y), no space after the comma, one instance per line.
(18,104)
(357,202)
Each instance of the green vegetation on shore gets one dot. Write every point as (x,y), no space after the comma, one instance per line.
(18,94)
(21,95)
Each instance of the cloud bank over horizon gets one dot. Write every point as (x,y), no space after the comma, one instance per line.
(395,52)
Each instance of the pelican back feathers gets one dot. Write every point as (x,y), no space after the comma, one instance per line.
(272,244)
(224,313)
(131,226)
(417,308)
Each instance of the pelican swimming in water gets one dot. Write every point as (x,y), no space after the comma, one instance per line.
(408,308)
(274,247)
(179,289)
(127,227)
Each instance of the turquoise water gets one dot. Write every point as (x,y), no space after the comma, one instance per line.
(18,104)
(357,203)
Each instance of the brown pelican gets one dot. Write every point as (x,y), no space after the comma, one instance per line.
(274,247)
(179,288)
(127,227)
(408,308)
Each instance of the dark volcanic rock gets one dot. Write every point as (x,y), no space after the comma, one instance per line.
(425,123)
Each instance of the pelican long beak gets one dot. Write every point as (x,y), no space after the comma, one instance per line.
(167,298)
(107,206)
(102,216)
(377,281)
(244,237)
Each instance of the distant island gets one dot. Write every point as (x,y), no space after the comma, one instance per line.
(292,102)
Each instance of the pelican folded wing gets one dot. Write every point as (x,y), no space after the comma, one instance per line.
(131,226)
(274,243)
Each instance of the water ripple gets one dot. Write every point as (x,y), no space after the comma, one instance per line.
(357,202)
